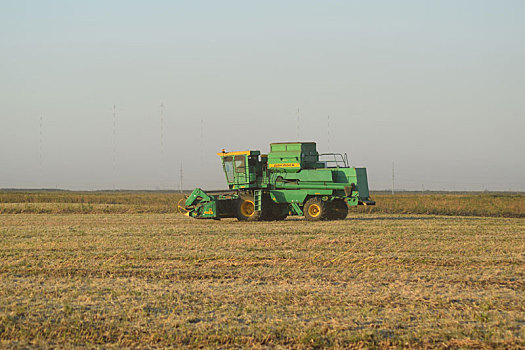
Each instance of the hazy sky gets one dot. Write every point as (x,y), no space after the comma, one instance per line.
(437,87)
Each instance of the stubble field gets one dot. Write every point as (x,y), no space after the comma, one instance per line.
(164,280)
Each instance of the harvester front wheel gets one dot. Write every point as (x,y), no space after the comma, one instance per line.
(314,209)
(245,209)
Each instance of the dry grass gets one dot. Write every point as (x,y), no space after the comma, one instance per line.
(88,202)
(485,204)
(491,204)
(164,280)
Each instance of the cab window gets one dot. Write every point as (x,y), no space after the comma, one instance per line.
(228,168)
(240,164)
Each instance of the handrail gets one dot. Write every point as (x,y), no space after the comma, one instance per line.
(343,159)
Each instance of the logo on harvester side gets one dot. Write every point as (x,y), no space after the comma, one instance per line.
(209,211)
(285,165)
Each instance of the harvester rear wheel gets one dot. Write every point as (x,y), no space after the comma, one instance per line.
(315,209)
(245,208)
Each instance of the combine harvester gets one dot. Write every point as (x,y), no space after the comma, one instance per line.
(293,179)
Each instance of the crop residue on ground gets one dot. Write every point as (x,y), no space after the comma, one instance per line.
(153,279)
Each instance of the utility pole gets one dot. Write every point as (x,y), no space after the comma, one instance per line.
(114,145)
(298,125)
(180,179)
(40,145)
(163,170)
(392,177)
(162,130)
(202,140)
(328,132)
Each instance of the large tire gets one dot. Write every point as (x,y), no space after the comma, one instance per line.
(244,208)
(337,210)
(315,209)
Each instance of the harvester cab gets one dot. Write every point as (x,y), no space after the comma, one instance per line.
(241,168)
(293,179)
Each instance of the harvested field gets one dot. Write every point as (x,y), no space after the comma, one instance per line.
(159,280)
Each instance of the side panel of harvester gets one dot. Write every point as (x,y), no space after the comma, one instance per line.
(296,173)
(348,183)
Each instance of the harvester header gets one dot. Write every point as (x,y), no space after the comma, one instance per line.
(292,179)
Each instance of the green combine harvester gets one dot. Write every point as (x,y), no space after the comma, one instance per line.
(293,179)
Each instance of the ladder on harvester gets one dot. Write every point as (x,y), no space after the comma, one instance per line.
(257,197)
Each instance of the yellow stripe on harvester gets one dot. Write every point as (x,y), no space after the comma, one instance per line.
(284,165)
(224,154)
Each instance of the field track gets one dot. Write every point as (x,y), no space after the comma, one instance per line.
(154,279)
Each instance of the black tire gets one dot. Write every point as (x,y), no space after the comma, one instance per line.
(244,208)
(283,215)
(338,210)
(273,211)
(315,209)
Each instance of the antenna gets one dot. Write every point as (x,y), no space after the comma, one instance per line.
(114,145)
(392,177)
(328,132)
(298,123)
